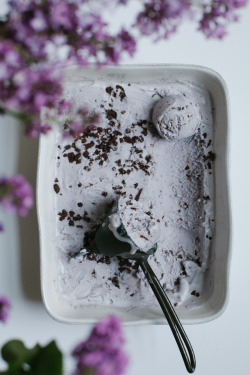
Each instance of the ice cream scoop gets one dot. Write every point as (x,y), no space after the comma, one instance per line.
(176,116)
(118,236)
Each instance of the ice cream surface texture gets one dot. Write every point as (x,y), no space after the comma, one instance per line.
(126,159)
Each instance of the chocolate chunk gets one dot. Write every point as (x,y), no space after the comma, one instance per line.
(111,114)
(210,156)
(71,157)
(115,281)
(56,188)
(79,204)
(137,197)
(109,90)
(63,215)
(196,294)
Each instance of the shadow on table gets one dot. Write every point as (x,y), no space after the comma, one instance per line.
(29,237)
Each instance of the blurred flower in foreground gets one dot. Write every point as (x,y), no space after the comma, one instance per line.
(82,121)
(16,194)
(102,353)
(4,309)
(217,15)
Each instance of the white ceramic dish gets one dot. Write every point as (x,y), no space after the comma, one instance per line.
(56,306)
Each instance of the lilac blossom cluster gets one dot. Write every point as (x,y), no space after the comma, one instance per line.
(4,309)
(218,15)
(102,353)
(161,18)
(16,194)
(30,77)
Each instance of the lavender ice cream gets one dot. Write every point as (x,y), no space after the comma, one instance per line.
(170,185)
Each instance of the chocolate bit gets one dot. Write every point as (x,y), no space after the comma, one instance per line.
(111,114)
(71,157)
(104,193)
(148,158)
(79,204)
(85,217)
(120,87)
(109,90)
(86,154)
(79,226)
(79,185)
(122,96)
(137,197)
(71,223)
(206,197)
(56,188)
(63,215)
(115,281)
(210,156)
(194,293)
(89,145)
(104,259)
(122,171)
(77,217)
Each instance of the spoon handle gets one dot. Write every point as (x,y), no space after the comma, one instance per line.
(170,314)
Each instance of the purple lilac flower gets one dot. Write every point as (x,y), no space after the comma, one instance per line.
(33,24)
(10,61)
(161,17)
(35,128)
(102,353)
(27,92)
(217,15)
(16,194)
(114,48)
(34,88)
(4,309)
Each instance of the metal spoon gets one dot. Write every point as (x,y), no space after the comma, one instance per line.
(107,244)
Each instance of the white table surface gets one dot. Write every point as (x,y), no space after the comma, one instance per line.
(221,346)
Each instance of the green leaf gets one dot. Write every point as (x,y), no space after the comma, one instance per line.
(36,361)
(48,361)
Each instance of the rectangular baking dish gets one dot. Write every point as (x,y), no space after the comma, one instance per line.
(55,304)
